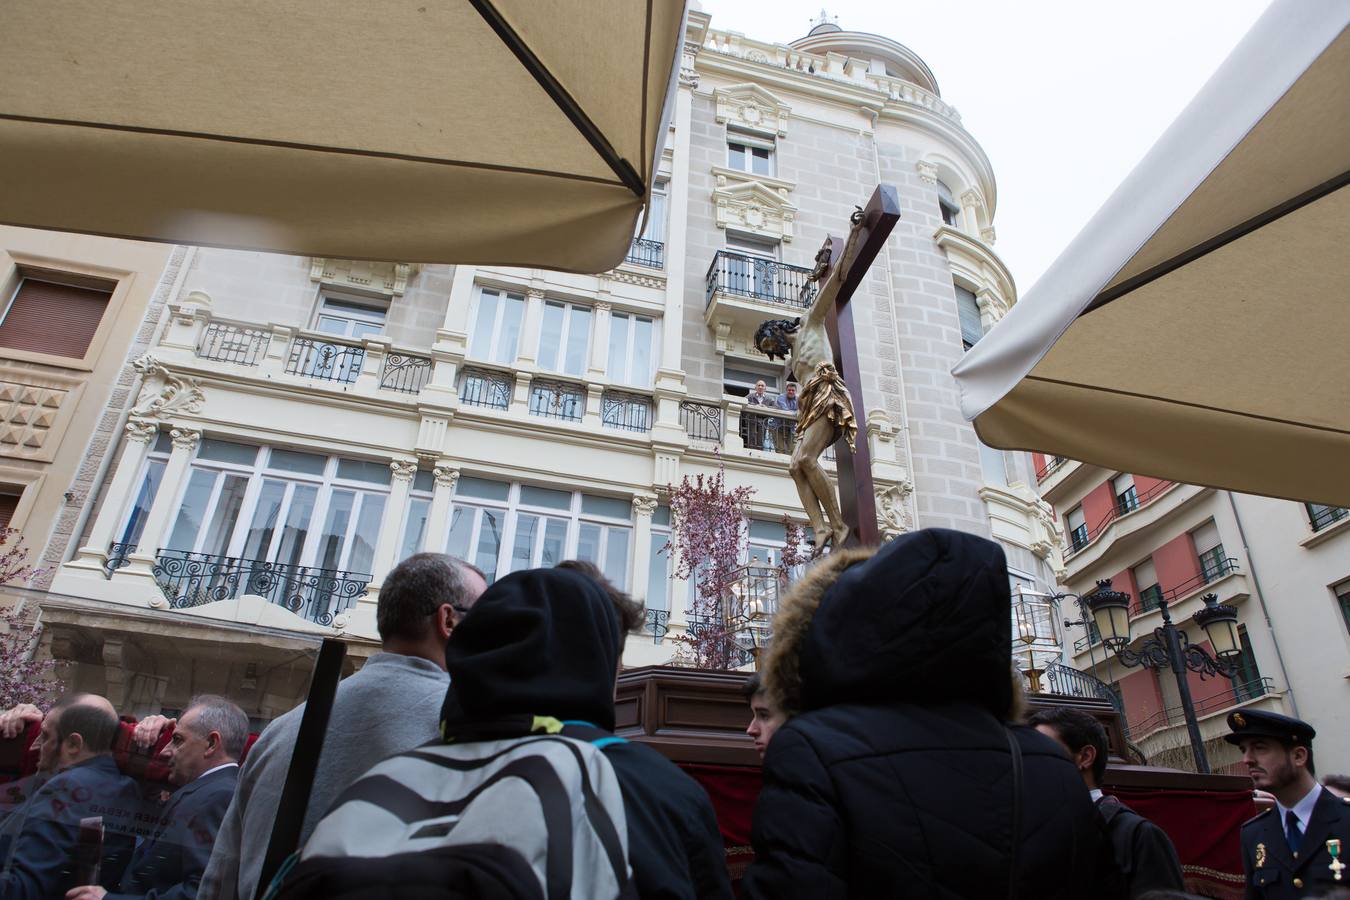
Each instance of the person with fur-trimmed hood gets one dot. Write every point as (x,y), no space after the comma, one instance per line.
(897,773)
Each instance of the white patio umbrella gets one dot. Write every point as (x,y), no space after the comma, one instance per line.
(1198,328)
(516,132)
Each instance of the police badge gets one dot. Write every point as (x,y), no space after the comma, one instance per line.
(1260,855)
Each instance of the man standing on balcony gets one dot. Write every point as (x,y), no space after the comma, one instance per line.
(1298,848)
(1144,855)
(755,429)
(393,704)
(782,437)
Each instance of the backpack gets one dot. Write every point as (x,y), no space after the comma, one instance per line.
(527,818)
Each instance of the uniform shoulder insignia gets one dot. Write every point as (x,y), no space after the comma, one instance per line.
(1256,817)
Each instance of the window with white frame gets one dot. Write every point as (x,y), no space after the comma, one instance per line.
(659,565)
(632,349)
(342,317)
(496,326)
(1209,550)
(753,155)
(505,527)
(152,475)
(272,505)
(655,229)
(419,514)
(1076,523)
(564,338)
(740,380)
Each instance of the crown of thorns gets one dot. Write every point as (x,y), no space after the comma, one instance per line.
(778,329)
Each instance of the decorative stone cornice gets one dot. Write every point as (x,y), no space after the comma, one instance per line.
(163,393)
(755,205)
(601,306)
(639,279)
(388,278)
(752,108)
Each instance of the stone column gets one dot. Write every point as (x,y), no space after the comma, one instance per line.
(669,382)
(140,436)
(643,507)
(395,512)
(165,504)
(438,518)
(970,212)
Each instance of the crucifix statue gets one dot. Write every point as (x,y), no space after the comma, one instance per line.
(822,353)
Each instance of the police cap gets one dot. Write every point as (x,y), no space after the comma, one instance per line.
(1255,723)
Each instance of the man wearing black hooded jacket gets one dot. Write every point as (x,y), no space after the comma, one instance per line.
(897,774)
(547,642)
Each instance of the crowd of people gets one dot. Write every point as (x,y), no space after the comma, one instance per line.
(475,756)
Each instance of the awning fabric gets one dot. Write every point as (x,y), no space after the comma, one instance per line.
(1198,328)
(513,132)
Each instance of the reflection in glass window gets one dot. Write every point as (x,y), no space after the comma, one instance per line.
(496,328)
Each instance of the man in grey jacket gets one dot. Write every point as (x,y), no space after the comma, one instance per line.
(422,599)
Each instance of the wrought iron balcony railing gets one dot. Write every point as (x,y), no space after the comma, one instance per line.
(485,387)
(325,360)
(625,411)
(317,595)
(557,399)
(774,433)
(765,280)
(405,372)
(1320,516)
(1238,692)
(657,624)
(646,252)
(117,557)
(1081,536)
(1070,682)
(224,342)
(1051,465)
(701,421)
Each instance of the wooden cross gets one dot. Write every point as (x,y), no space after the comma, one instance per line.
(857,498)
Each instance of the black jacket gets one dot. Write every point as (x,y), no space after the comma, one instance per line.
(1272,871)
(546,642)
(170,863)
(1143,853)
(38,857)
(895,776)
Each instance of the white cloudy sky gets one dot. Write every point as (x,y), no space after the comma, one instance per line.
(1065,96)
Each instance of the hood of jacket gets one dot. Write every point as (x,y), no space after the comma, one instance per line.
(543,642)
(924,619)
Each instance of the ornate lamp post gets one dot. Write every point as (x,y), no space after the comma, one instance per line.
(1036,638)
(1169,647)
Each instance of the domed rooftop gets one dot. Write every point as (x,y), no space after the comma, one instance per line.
(884,55)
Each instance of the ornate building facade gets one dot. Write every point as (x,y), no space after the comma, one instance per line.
(299,425)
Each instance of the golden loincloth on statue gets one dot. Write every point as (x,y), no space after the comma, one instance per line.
(826,395)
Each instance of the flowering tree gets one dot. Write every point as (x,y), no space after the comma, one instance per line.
(708,523)
(23,677)
(708,533)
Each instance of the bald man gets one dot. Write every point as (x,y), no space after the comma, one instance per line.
(85,795)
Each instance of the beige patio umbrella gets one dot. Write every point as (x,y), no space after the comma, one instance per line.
(516,132)
(1198,328)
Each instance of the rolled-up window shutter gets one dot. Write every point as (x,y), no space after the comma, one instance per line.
(8,503)
(55,318)
(968,308)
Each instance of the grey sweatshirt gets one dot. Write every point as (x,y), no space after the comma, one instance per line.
(393,704)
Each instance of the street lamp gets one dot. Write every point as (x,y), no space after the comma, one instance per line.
(1036,638)
(1169,647)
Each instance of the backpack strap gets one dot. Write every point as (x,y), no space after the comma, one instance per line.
(1015,871)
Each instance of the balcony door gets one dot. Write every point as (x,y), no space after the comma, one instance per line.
(754,270)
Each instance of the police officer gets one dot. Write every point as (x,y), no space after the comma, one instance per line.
(1299,847)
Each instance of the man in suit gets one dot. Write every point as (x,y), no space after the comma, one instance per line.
(1144,855)
(203,758)
(77,826)
(1298,848)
